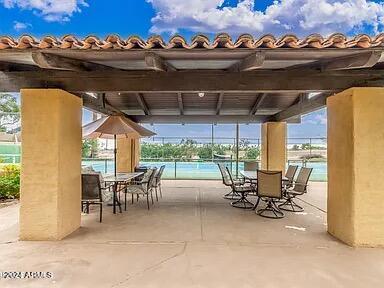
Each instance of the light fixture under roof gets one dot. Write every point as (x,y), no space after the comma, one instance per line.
(91,94)
(201,94)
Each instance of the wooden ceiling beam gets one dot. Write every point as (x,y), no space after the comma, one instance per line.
(219,104)
(258,101)
(157,63)
(143,104)
(303,106)
(180,103)
(191,81)
(13,67)
(52,61)
(362,60)
(251,62)
(349,62)
(99,104)
(197,119)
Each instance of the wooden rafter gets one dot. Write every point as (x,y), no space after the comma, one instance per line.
(220,99)
(303,106)
(143,104)
(52,61)
(251,62)
(258,101)
(157,63)
(180,103)
(354,61)
(12,67)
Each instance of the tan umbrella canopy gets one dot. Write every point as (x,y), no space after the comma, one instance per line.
(112,127)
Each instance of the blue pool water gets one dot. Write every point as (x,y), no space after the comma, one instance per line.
(200,170)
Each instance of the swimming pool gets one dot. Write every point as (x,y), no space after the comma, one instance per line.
(200,170)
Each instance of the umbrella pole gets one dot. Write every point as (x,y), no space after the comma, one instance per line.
(115,153)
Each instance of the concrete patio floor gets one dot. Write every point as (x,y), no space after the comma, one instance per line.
(193,238)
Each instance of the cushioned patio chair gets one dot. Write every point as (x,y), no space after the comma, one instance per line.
(157,182)
(242,190)
(91,193)
(289,176)
(232,195)
(299,188)
(269,189)
(142,187)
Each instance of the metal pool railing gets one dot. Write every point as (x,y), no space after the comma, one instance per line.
(202,169)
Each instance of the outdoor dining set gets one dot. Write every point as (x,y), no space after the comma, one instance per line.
(98,189)
(277,192)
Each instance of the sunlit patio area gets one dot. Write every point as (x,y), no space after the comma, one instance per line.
(192,237)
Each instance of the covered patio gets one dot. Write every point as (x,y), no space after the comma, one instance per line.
(193,238)
(266,80)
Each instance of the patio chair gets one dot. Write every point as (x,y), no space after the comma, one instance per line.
(241,190)
(140,169)
(142,187)
(157,182)
(91,193)
(289,176)
(232,195)
(299,188)
(269,190)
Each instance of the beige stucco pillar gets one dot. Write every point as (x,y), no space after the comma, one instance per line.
(51,164)
(355,166)
(273,146)
(128,154)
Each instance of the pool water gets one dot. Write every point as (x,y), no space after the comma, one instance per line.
(200,170)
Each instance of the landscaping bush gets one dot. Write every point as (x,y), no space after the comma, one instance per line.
(10,182)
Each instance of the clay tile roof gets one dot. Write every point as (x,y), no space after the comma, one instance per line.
(222,40)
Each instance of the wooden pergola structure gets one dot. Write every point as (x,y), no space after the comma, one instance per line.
(265,80)
(243,81)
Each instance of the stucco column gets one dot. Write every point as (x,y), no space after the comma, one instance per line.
(128,154)
(273,146)
(356,166)
(51,164)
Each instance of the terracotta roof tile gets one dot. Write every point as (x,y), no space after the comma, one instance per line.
(222,40)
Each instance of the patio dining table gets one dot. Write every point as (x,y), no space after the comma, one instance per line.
(252,175)
(120,178)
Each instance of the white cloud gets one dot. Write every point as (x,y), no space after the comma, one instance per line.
(50,10)
(18,26)
(301,17)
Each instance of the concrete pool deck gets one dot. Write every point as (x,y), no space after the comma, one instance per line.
(193,238)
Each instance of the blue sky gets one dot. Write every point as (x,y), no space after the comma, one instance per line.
(166,17)
(169,17)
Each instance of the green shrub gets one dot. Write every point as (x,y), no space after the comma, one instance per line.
(10,182)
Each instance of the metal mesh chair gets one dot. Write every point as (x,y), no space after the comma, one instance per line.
(232,195)
(269,189)
(91,193)
(241,190)
(289,176)
(142,187)
(157,182)
(299,188)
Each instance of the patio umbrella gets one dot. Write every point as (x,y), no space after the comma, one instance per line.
(113,127)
